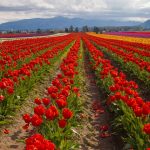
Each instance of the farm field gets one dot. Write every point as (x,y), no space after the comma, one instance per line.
(123,38)
(132,34)
(18,35)
(77,91)
(27,36)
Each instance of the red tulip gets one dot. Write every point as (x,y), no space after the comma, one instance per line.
(6,131)
(67,113)
(27,118)
(62,123)
(1,98)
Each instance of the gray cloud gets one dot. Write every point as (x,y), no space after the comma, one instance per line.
(12,9)
(103,9)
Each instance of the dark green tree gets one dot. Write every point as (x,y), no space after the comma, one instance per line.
(85,29)
(96,30)
(76,29)
(66,30)
(38,31)
(71,28)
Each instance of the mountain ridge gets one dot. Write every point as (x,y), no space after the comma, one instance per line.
(60,23)
(146,24)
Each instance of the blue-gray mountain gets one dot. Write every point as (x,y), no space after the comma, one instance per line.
(146,24)
(60,23)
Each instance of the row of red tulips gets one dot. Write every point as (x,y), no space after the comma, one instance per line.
(54,115)
(15,53)
(28,60)
(127,46)
(132,43)
(20,81)
(125,55)
(20,35)
(131,112)
(135,66)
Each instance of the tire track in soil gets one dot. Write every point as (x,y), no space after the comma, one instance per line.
(12,141)
(90,133)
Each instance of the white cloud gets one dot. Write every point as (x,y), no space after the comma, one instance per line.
(103,9)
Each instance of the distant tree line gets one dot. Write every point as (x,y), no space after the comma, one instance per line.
(102,29)
(85,28)
(77,29)
(72,29)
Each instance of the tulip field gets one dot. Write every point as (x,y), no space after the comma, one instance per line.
(21,35)
(79,91)
(132,34)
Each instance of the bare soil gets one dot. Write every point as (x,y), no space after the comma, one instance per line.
(93,118)
(10,39)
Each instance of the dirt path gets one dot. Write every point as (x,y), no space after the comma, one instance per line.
(10,39)
(94,117)
(16,132)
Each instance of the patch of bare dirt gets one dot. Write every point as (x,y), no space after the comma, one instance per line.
(95,117)
(52,35)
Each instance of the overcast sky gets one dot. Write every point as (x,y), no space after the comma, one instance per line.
(137,10)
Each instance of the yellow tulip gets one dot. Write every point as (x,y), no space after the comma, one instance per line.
(124,38)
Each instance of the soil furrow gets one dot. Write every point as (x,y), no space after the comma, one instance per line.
(92,119)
